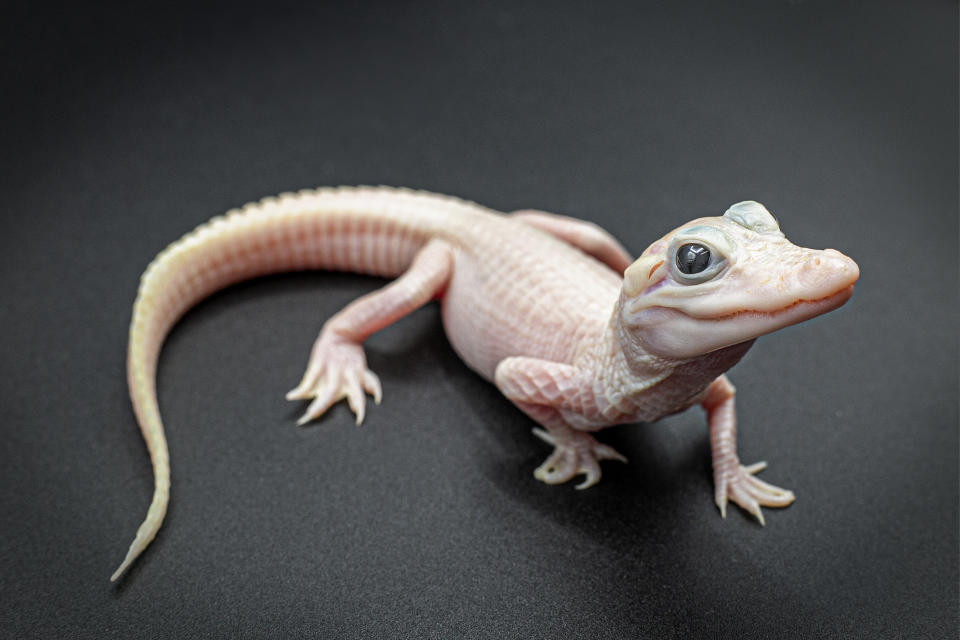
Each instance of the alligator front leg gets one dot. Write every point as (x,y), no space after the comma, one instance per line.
(733,481)
(547,392)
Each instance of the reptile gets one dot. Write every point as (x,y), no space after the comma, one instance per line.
(551,309)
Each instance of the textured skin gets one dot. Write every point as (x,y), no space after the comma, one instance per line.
(551,309)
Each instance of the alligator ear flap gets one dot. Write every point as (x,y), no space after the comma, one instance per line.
(638,275)
(752,215)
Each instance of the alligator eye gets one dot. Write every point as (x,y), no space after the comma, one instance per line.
(693,258)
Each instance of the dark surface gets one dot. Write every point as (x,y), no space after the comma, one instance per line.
(124,128)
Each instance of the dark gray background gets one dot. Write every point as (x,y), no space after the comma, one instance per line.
(123,128)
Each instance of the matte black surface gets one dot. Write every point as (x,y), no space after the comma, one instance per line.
(124,128)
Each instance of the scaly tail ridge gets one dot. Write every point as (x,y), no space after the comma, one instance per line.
(373,230)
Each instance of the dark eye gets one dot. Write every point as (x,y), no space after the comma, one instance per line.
(693,258)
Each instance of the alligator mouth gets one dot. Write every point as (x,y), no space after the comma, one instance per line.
(808,308)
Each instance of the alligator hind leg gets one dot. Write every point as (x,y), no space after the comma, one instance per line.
(592,239)
(338,366)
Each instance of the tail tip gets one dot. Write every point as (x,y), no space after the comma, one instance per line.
(131,556)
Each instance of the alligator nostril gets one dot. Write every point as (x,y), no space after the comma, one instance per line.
(838,264)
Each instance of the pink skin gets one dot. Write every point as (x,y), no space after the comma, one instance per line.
(731,479)
(338,366)
(550,308)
